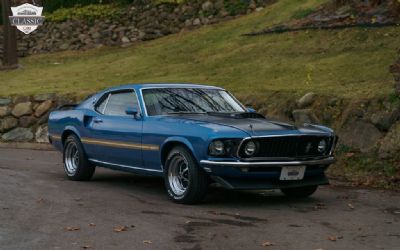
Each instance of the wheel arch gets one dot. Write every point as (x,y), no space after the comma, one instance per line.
(69,130)
(170,143)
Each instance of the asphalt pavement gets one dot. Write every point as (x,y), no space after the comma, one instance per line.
(41,209)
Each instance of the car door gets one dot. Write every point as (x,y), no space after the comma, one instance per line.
(116,135)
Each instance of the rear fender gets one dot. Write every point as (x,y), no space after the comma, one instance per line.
(68,129)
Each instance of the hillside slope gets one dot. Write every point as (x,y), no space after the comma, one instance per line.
(346,63)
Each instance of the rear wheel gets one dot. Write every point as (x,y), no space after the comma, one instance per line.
(76,165)
(299,192)
(185,181)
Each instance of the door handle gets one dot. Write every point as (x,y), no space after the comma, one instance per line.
(97,120)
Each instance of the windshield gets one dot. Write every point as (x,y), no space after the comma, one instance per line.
(189,100)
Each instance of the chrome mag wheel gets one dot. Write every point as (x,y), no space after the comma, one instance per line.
(178,175)
(71,158)
(185,181)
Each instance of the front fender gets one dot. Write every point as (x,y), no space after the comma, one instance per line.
(196,147)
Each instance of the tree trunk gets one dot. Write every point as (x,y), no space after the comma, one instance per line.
(10,59)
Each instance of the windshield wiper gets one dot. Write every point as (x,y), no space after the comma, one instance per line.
(236,114)
(185,112)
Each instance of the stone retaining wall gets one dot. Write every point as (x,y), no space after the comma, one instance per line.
(136,23)
(24,118)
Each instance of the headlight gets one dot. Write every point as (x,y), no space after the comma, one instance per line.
(322,146)
(250,148)
(223,147)
(217,148)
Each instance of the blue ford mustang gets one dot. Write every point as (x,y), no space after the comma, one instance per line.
(191,135)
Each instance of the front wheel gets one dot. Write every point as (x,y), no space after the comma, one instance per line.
(76,165)
(185,181)
(299,192)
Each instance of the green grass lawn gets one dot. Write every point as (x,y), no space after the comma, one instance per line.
(347,63)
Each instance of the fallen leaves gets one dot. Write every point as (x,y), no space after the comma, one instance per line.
(351,206)
(392,210)
(267,244)
(319,206)
(147,242)
(87,247)
(332,238)
(120,228)
(72,229)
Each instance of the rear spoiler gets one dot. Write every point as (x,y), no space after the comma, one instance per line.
(72,106)
(67,107)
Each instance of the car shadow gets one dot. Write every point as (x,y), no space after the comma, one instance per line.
(153,189)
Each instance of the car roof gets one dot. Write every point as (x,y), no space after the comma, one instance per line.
(138,86)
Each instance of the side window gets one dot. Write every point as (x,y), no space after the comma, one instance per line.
(118,103)
(101,105)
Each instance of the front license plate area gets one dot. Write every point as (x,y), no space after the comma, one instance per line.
(292,173)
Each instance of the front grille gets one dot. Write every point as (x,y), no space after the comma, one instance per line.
(303,146)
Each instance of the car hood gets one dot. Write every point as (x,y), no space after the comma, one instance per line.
(253,126)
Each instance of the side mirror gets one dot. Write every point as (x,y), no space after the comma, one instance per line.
(132,111)
(251,110)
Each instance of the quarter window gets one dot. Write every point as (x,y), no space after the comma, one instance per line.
(101,105)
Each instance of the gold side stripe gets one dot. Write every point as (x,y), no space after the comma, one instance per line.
(120,144)
(114,144)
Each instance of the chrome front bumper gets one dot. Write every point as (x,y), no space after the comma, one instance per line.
(242,164)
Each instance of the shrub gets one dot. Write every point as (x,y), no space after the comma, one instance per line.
(53,5)
(235,7)
(169,1)
(88,13)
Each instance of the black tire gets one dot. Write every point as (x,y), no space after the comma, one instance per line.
(299,192)
(84,169)
(198,181)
